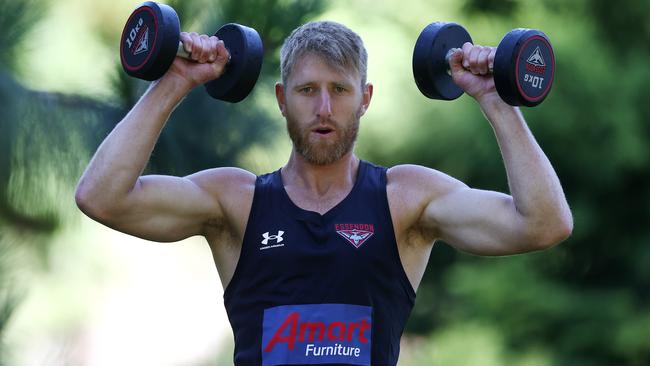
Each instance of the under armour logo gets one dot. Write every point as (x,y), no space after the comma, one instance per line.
(277,238)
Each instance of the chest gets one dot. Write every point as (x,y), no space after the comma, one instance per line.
(342,238)
(300,255)
(320,203)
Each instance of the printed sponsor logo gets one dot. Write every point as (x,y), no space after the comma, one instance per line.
(317,334)
(143,43)
(535,62)
(267,238)
(138,38)
(355,234)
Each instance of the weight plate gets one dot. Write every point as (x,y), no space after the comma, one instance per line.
(246,53)
(524,67)
(149,41)
(430,66)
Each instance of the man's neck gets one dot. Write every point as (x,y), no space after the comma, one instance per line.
(319,180)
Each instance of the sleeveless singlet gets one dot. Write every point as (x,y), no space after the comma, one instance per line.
(319,289)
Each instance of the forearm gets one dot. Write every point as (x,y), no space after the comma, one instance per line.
(119,161)
(535,187)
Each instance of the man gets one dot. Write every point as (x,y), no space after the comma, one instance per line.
(320,260)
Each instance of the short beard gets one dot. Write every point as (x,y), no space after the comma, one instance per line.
(323,153)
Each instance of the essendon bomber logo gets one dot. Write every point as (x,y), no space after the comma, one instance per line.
(355,234)
(317,334)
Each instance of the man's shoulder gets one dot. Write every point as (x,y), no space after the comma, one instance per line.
(233,188)
(225,174)
(408,177)
(228,180)
(409,172)
(411,188)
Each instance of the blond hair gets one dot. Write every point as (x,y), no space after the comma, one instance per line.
(338,45)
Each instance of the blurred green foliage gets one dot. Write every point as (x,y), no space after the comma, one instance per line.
(43,139)
(491,7)
(585,302)
(17,18)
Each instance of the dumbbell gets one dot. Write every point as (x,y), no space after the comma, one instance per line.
(151,40)
(524,64)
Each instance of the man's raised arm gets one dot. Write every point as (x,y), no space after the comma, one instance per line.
(161,208)
(534,216)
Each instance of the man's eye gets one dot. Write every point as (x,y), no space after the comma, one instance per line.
(339,89)
(307,90)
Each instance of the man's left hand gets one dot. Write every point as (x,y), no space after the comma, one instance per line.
(471,70)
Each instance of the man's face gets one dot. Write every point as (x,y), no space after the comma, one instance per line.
(322,106)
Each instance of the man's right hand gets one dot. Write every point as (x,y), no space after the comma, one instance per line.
(209,57)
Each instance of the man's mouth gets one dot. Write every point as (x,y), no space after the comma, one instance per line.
(323,130)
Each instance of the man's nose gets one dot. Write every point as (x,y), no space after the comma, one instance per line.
(325,105)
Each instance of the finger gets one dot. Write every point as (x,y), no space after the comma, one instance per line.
(456,61)
(493,52)
(206,48)
(473,59)
(467,47)
(222,53)
(187,42)
(196,45)
(483,60)
(214,51)
(200,51)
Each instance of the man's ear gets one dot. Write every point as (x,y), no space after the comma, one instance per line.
(365,98)
(281,98)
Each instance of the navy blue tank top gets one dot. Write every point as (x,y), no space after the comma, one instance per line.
(319,289)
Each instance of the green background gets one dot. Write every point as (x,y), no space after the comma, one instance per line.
(584,302)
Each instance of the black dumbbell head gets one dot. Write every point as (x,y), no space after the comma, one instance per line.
(524,67)
(430,66)
(149,41)
(246,53)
